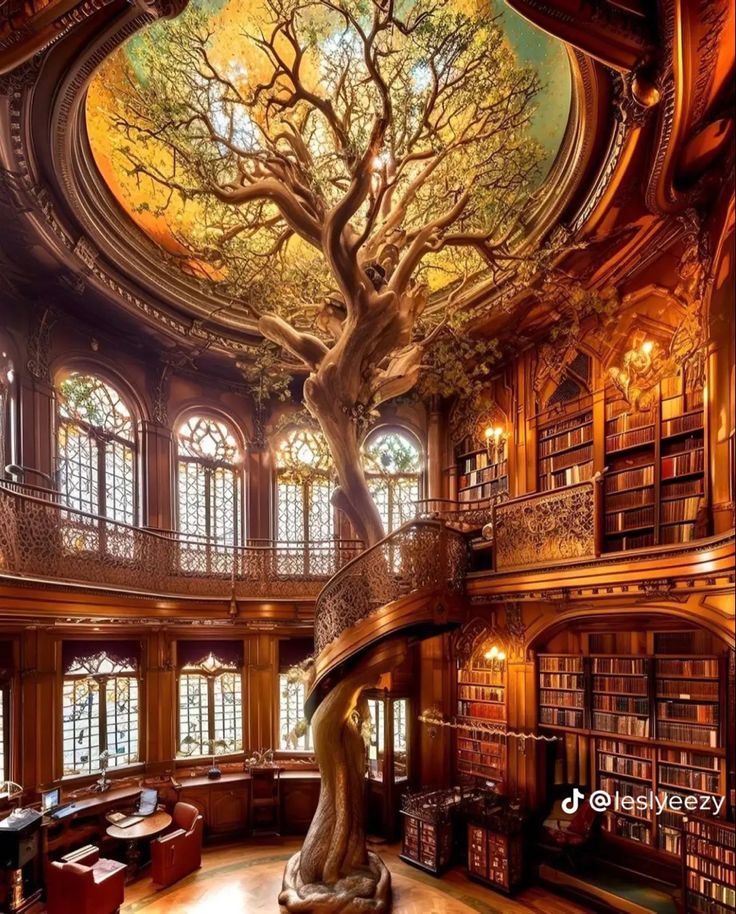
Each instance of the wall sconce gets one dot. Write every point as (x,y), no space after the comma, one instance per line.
(640,372)
(495,443)
(496,658)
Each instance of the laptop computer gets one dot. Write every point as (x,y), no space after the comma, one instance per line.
(147,806)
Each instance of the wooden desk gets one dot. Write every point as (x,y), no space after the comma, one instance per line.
(146,829)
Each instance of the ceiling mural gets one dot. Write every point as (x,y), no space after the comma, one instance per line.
(208,101)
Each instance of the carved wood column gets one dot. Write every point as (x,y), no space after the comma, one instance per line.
(434,451)
(259,492)
(435,689)
(524,758)
(37,425)
(261,664)
(40,700)
(158,454)
(159,688)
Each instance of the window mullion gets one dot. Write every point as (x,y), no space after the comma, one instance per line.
(102,713)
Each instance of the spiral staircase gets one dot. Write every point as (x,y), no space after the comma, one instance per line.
(410,584)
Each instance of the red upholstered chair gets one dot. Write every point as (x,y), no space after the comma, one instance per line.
(569,835)
(180,852)
(94,887)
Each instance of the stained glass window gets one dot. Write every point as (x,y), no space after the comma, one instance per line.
(209,487)
(294,733)
(393,466)
(210,709)
(100,703)
(96,449)
(304,511)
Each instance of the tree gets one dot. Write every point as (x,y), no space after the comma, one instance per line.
(355,171)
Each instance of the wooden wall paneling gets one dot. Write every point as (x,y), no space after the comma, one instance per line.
(37,423)
(434,452)
(159,691)
(40,729)
(523,760)
(299,800)
(259,494)
(228,808)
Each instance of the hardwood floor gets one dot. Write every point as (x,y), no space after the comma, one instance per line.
(246,878)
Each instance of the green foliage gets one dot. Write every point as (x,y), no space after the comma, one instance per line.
(265,376)
(457,366)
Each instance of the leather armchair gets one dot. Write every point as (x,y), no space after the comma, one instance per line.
(94,887)
(178,853)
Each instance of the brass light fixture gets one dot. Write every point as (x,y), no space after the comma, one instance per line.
(496,657)
(495,438)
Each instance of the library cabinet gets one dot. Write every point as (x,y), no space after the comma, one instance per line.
(431,819)
(496,850)
(709,866)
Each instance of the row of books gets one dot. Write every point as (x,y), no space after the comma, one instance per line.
(477,477)
(688,689)
(723,872)
(567,459)
(624,788)
(487,746)
(481,693)
(688,759)
(631,767)
(692,779)
(628,684)
(635,437)
(476,461)
(622,421)
(684,733)
(682,509)
(622,724)
(632,519)
(569,477)
(634,498)
(621,704)
(682,533)
(629,479)
(564,424)
(567,699)
(483,711)
(558,717)
(701,667)
(696,713)
(564,440)
(475,676)
(621,666)
(681,424)
(682,464)
(487,490)
(561,680)
(711,889)
(624,827)
(567,663)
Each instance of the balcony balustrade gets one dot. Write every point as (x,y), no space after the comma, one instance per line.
(42,539)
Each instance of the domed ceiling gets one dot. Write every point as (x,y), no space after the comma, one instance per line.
(202,102)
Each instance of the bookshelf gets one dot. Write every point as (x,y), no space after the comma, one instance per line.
(479,477)
(566,450)
(430,818)
(561,691)
(481,694)
(654,722)
(620,693)
(709,866)
(655,483)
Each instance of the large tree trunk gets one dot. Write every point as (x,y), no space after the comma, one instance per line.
(324,398)
(334,872)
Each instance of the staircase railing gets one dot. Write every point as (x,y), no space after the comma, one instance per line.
(43,539)
(421,556)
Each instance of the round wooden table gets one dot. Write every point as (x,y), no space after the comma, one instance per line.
(148,827)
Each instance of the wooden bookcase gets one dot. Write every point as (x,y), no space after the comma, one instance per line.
(709,866)
(481,697)
(656,723)
(480,478)
(430,819)
(655,459)
(565,448)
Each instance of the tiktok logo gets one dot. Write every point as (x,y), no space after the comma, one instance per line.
(572,804)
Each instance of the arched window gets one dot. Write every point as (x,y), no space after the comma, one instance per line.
(393,466)
(96,448)
(210,700)
(304,511)
(209,484)
(100,701)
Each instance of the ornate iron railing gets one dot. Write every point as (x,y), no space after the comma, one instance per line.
(548,526)
(460,515)
(42,539)
(421,556)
